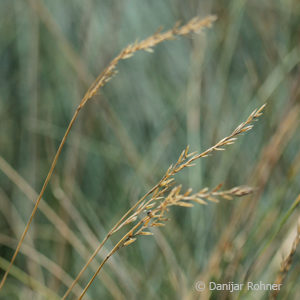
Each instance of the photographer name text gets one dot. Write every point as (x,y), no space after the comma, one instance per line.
(232,287)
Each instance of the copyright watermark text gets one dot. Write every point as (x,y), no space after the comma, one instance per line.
(200,286)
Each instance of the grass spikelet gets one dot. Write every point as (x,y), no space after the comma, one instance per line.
(196,25)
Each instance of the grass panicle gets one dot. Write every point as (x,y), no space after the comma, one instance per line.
(159,191)
(193,26)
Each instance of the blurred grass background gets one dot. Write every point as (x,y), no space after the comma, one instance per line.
(189,91)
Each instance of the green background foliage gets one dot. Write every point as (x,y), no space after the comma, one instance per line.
(190,91)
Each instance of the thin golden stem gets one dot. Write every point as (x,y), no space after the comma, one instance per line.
(174,198)
(115,248)
(40,195)
(104,241)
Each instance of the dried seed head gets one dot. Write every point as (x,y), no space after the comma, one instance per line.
(157,224)
(129,241)
(145,233)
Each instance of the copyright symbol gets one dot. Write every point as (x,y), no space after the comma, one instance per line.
(200,286)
